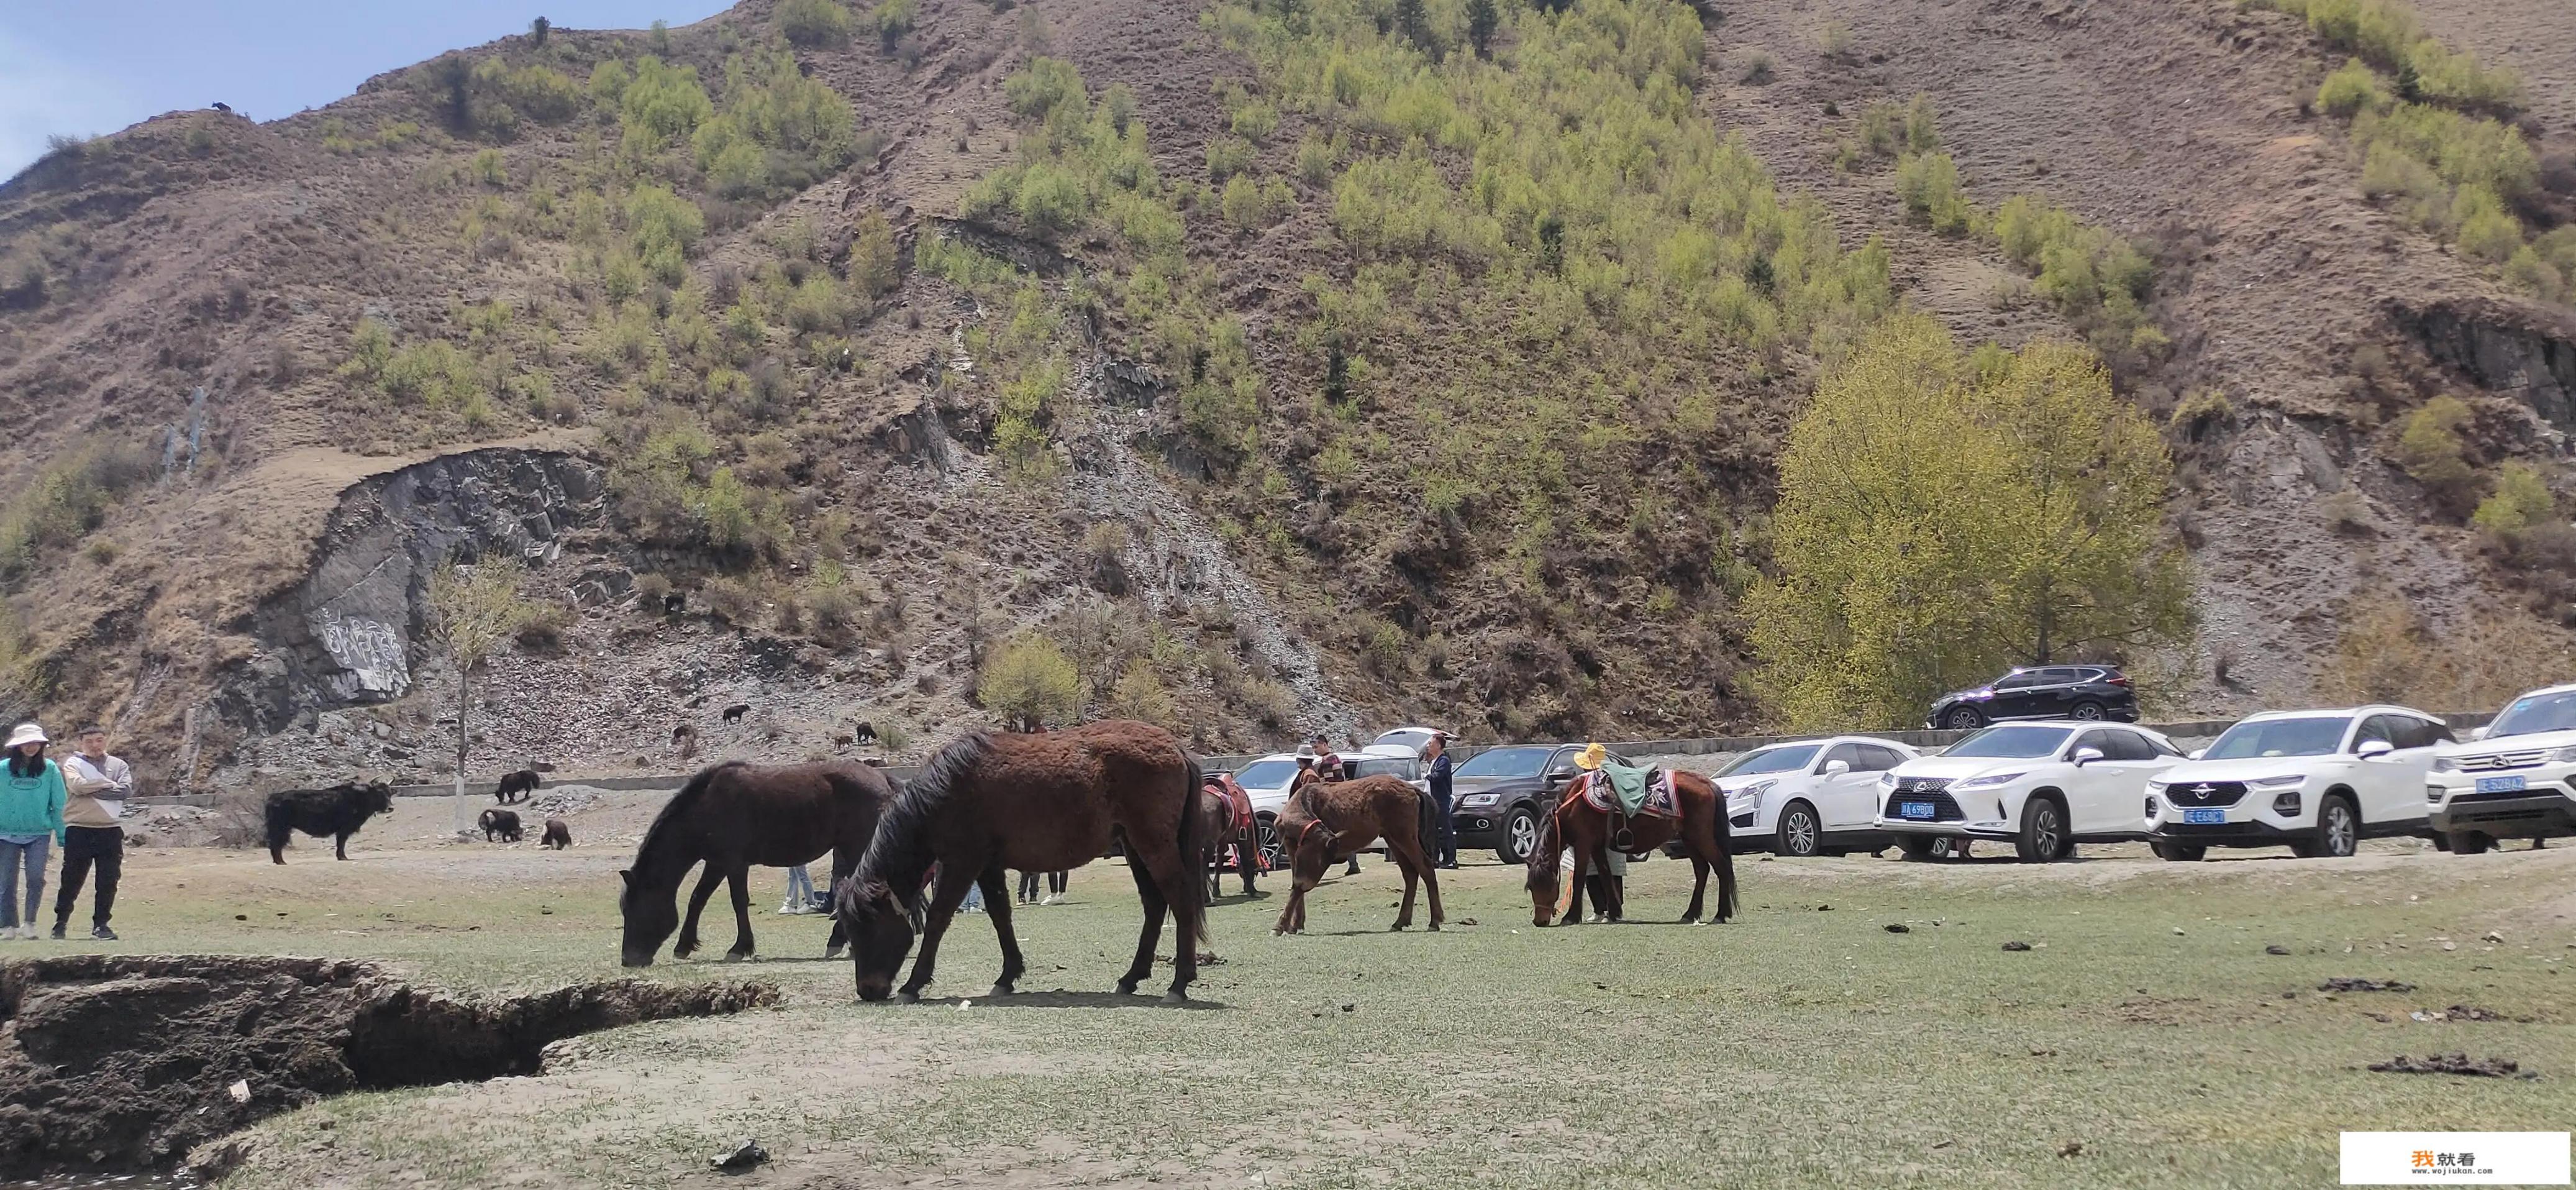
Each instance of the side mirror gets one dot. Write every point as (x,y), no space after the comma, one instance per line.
(2477,733)
(2085,756)
(2197,753)
(1558,780)
(2374,749)
(1836,768)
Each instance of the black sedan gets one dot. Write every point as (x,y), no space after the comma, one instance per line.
(2039,692)
(1501,792)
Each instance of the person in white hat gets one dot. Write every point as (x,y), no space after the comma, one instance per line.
(31,814)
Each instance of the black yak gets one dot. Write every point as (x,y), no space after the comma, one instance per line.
(521,784)
(499,822)
(557,836)
(338,812)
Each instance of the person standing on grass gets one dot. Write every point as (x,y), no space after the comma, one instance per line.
(97,785)
(800,891)
(1437,751)
(1055,882)
(31,814)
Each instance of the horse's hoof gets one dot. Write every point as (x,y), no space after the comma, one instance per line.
(907,996)
(736,956)
(1126,987)
(1435,927)
(1175,996)
(999,990)
(831,952)
(1397,928)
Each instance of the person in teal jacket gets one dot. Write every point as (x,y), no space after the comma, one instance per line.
(31,815)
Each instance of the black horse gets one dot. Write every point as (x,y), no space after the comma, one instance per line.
(733,816)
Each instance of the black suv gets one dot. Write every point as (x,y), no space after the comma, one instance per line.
(2039,692)
(1500,793)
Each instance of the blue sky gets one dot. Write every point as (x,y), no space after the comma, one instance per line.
(84,67)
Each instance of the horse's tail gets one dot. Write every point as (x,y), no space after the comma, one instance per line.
(280,821)
(1193,911)
(1725,864)
(1543,857)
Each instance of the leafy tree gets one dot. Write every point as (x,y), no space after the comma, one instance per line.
(813,22)
(2431,450)
(1482,19)
(1939,520)
(471,611)
(537,30)
(2521,500)
(1140,695)
(1030,683)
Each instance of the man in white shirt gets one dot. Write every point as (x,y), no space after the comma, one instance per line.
(98,785)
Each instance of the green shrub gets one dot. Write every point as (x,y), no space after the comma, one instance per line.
(1227,156)
(1929,184)
(1140,695)
(2351,90)
(1029,683)
(659,105)
(64,501)
(2521,500)
(893,19)
(1254,205)
(663,227)
(779,131)
(813,22)
(2487,231)
(2431,449)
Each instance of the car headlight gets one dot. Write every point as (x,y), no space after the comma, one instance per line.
(2559,755)
(1990,780)
(2279,782)
(1474,800)
(2445,764)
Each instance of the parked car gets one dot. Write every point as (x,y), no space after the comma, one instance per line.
(1267,781)
(1411,739)
(2045,787)
(2318,782)
(2514,781)
(2083,692)
(1501,792)
(1813,797)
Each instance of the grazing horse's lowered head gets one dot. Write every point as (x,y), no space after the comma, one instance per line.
(880,926)
(650,915)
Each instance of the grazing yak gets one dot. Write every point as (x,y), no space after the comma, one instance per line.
(557,836)
(734,713)
(499,822)
(338,812)
(515,787)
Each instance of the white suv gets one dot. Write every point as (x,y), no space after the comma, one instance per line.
(2513,782)
(1812,797)
(2044,786)
(2318,781)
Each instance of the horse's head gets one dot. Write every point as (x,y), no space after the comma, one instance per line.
(880,927)
(650,916)
(1543,881)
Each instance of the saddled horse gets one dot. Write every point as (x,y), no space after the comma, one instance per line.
(1697,819)
(1226,822)
(735,815)
(1039,802)
(1327,821)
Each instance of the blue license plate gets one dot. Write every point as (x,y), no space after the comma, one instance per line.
(1921,810)
(2502,784)
(2205,817)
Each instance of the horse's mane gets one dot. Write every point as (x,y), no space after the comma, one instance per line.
(664,830)
(898,856)
(1546,854)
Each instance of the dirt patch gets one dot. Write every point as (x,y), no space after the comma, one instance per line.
(2460,1064)
(2347,984)
(123,1062)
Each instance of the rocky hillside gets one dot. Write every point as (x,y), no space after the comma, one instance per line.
(1313,365)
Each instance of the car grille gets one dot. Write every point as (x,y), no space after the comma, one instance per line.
(1922,784)
(2206,793)
(2497,761)
(2508,795)
(1944,807)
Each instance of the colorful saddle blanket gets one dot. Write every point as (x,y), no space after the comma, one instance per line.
(1618,789)
(1237,800)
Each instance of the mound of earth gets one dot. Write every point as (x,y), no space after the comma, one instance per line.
(125,1061)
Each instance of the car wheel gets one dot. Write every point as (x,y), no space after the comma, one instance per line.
(1801,835)
(2085,710)
(2469,843)
(1272,849)
(2338,828)
(1520,835)
(2180,853)
(1963,719)
(1915,846)
(2043,831)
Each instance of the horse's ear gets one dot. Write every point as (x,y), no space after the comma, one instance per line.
(625,877)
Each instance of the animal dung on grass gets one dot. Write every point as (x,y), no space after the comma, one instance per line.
(744,1154)
(2460,1064)
(1898,927)
(2016,945)
(2342,983)
(2276,950)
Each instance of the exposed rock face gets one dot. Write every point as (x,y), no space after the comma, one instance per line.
(344,635)
(2509,350)
(127,1061)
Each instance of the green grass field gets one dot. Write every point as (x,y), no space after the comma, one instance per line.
(1797,1046)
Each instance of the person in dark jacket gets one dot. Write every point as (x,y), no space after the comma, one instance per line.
(1437,752)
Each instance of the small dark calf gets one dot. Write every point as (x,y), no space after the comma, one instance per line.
(557,836)
(499,822)
(681,733)
(338,812)
(515,787)
(734,713)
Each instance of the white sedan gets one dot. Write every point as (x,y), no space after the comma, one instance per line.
(2044,787)
(1811,797)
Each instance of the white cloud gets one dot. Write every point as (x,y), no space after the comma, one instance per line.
(40,97)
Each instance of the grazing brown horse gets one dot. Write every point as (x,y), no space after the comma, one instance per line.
(1326,821)
(1225,820)
(733,816)
(1038,802)
(1578,824)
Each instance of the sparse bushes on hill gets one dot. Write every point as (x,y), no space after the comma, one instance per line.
(657,105)
(2431,449)
(779,131)
(813,22)
(1929,184)
(2386,33)
(67,498)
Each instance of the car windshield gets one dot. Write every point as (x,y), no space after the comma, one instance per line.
(1265,774)
(1771,760)
(2537,712)
(2012,741)
(1505,762)
(1383,766)
(2280,737)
